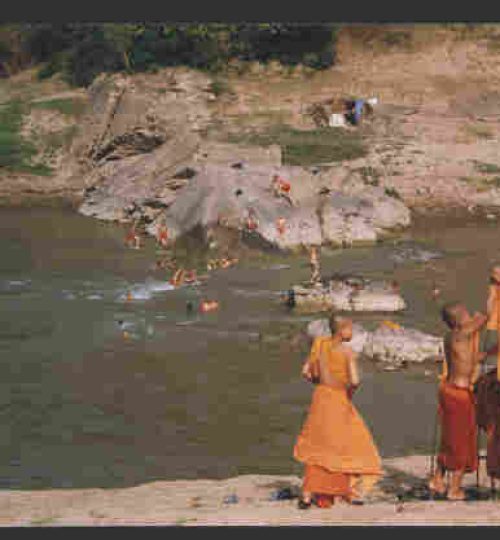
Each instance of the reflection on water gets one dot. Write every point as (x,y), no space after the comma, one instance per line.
(100,391)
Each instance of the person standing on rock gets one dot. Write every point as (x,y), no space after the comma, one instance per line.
(281,226)
(162,236)
(456,408)
(340,457)
(314,260)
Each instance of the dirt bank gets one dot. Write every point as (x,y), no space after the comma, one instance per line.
(202,502)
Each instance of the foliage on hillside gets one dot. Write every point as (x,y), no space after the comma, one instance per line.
(81,51)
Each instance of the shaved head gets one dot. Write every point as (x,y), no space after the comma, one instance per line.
(452,314)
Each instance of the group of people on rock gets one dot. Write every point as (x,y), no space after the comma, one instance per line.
(280,188)
(341,460)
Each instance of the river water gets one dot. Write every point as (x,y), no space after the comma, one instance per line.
(190,395)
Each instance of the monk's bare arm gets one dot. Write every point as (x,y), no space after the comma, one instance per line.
(477,321)
(308,369)
(352,364)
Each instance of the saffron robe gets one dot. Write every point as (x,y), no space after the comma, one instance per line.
(335,444)
(488,418)
(458,450)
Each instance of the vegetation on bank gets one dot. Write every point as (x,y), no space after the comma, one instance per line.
(311,147)
(81,51)
(17,153)
(67,106)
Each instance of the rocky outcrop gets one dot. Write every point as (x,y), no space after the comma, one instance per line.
(138,134)
(230,194)
(348,294)
(392,348)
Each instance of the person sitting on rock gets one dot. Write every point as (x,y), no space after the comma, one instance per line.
(281,188)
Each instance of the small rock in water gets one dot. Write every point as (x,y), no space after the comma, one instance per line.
(390,368)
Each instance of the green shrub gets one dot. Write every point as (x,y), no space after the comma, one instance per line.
(16,153)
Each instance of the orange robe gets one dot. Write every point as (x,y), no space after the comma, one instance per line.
(458,428)
(488,418)
(494,323)
(335,445)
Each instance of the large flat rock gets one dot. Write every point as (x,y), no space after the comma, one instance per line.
(349,295)
(391,347)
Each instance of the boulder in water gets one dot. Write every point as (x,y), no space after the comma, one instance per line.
(392,347)
(346,294)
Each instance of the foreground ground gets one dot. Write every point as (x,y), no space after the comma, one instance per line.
(205,502)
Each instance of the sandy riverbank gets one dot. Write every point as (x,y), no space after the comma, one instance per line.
(201,502)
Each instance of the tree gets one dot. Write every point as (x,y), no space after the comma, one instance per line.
(122,37)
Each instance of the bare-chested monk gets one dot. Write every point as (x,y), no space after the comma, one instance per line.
(340,457)
(458,451)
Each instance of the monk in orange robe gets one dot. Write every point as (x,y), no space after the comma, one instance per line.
(340,457)
(488,387)
(456,407)
(488,419)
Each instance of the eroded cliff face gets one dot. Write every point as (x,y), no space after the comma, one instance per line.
(136,135)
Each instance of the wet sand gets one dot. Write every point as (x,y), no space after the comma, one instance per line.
(202,502)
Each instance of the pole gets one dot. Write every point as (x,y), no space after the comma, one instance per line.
(436,418)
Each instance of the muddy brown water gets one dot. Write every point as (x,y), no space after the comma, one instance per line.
(190,395)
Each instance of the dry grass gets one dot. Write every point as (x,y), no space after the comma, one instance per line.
(474,131)
(481,183)
(311,147)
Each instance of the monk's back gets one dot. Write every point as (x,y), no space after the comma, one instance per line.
(333,364)
(459,358)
